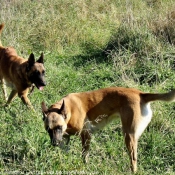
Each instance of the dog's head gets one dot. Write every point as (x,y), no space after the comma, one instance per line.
(54,122)
(36,71)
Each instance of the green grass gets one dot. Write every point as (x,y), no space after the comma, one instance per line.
(90,45)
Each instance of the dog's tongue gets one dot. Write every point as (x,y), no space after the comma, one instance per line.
(41,88)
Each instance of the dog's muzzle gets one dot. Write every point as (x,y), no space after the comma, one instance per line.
(57,138)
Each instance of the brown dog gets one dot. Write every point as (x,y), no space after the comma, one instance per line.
(87,112)
(20,74)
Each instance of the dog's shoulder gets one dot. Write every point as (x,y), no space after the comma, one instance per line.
(73,98)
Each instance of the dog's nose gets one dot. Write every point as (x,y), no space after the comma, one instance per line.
(44,83)
(55,143)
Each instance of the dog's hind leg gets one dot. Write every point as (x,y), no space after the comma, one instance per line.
(131,144)
(4,90)
(11,97)
(129,118)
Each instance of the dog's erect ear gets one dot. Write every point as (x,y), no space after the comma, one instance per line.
(44,110)
(62,110)
(41,59)
(44,116)
(31,60)
(62,107)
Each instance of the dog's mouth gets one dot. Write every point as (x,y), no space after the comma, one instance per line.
(61,144)
(59,141)
(40,86)
(56,142)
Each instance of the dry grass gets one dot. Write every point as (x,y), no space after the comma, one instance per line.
(163,26)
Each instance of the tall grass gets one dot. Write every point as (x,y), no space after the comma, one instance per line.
(89,45)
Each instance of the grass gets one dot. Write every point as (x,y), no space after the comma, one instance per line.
(89,45)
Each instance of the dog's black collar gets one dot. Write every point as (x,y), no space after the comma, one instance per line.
(27,68)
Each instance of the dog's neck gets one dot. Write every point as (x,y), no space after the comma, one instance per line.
(21,71)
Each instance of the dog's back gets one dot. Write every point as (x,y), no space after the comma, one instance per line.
(9,61)
(103,98)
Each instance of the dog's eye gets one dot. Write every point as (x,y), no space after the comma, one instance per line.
(48,129)
(59,127)
(37,72)
(43,72)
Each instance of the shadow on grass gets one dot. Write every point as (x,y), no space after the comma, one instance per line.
(98,57)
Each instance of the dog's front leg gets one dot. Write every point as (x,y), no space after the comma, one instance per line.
(24,98)
(85,138)
(4,89)
(67,138)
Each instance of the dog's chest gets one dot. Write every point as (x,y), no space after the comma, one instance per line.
(100,122)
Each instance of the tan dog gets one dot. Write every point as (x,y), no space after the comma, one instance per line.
(20,74)
(87,112)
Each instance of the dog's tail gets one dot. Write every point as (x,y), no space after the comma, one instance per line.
(1,27)
(168,97)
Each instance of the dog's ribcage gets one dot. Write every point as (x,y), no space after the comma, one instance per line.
(103,120)
(100,122)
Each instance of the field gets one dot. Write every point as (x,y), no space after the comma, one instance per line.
(89,45)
